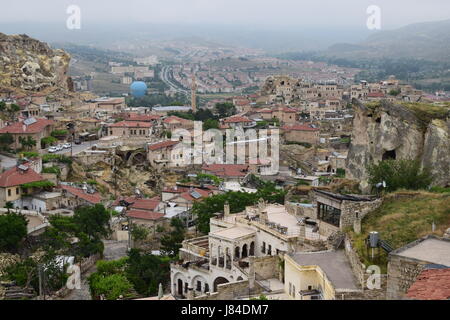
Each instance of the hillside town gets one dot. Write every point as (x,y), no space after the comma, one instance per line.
(314,186)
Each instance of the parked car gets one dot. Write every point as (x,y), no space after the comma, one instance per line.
(52,149)
(77,141)
(59,147)
(67,145)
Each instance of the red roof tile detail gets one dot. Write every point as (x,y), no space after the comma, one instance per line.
(144,214)
(20,127)
(431,284)
(161,145)
(236,119)
(142,204)
(16,177)
(93,198)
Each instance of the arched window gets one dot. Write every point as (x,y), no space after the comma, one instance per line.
(244,251)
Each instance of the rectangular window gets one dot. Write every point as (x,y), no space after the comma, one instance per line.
(9,192)
(206,287)
(17,190)
(263,249)
(293,291)
(199,286)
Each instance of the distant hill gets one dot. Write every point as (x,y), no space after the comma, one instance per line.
(428,41)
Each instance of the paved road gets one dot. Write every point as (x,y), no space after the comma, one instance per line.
(113,250)
(7,162)
(165,77)
(77,148)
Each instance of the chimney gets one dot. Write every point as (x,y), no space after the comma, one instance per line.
(226,209)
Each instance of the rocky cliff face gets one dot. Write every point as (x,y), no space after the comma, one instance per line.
(382,131)
(29,64)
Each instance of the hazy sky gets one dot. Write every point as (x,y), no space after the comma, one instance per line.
(394,13)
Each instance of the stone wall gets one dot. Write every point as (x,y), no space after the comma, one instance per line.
(355,261)
(402,272)
(350,208)
(359,271)
(267,266)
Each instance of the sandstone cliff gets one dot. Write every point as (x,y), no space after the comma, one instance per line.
(409,131)
(28,64)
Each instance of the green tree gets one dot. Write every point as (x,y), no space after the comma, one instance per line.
(6,139)
(93,221)
(225,109)
(139,232)
(400,174)
(210,124)
(27,142)
(13,229)
(111,287)
(48,141)
(147,271)
(171,243)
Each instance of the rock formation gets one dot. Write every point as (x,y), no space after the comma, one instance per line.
(31,65)
(384,130)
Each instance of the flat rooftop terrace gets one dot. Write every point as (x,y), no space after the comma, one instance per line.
(334,263)
(431,250)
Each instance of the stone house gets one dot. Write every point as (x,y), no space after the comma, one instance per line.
(406,263)
(74,197)
(173,122)
(110,105)
(235,122)
(301,133)
(335,211)
(35,128)
(131,129)
(11,182)
(166,154)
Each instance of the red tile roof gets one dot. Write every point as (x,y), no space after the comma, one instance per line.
(299,127)
(187,195)
(376,95)
(161,145)
(431,284)
(145,215)
(131,124)
(227,170)
(141,117)
(236,119)
(16,177)
(20,127)
(93,198)
(175,119)
(142,204)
